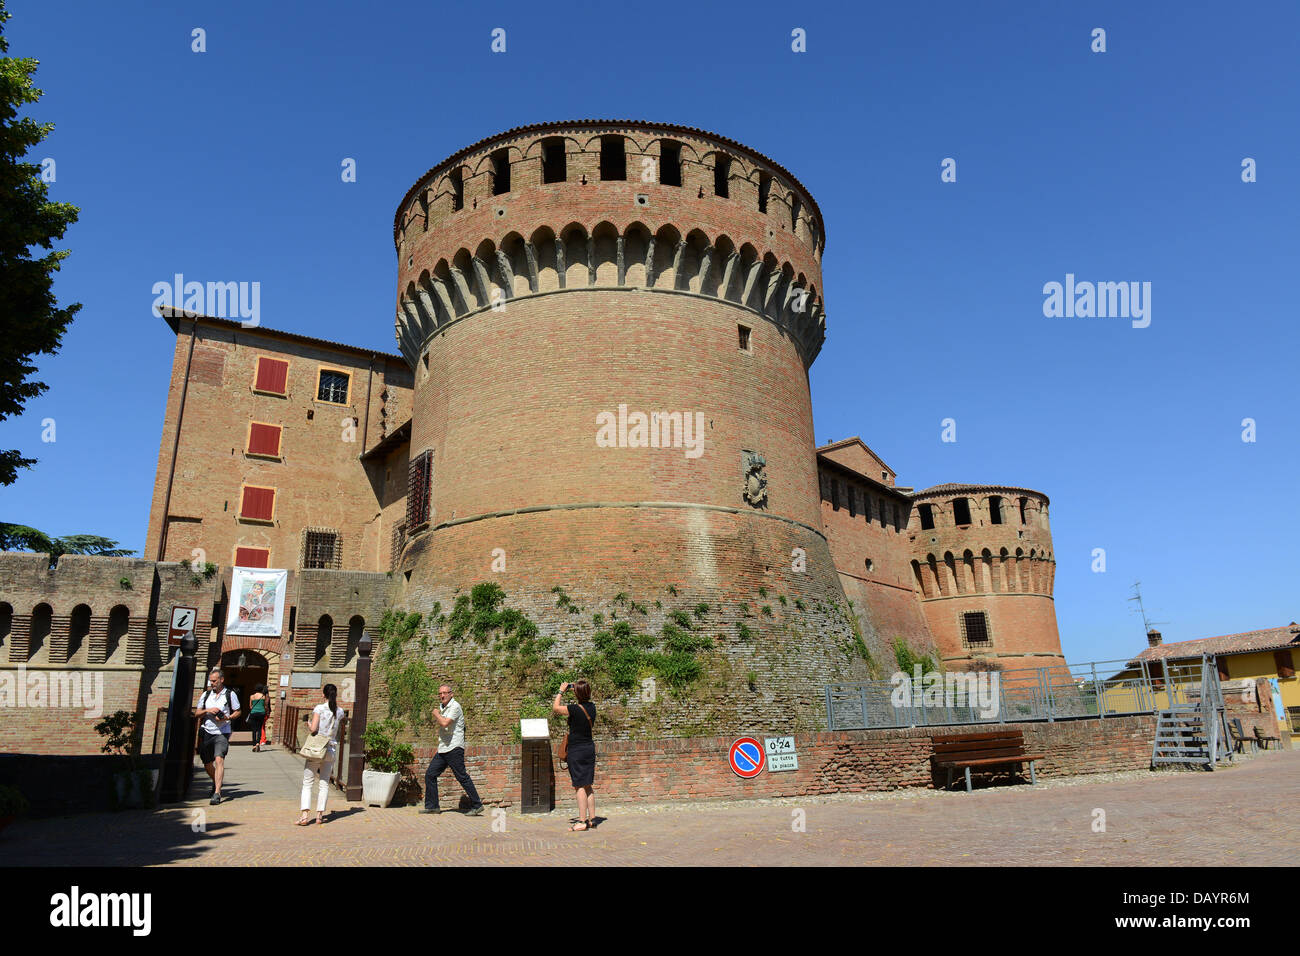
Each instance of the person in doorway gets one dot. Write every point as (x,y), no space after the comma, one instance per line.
(451,753)
(218,706)
(259,708)
(326,718)
(582,749)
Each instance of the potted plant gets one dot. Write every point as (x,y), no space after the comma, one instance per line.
(12,804)
(386,761)
(135,785)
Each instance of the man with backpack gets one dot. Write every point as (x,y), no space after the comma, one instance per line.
(218,706)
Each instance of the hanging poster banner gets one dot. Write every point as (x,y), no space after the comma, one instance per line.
(256,602)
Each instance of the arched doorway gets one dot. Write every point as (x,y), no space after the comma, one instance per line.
(243,670)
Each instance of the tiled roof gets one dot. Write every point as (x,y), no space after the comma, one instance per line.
(617,123)
(395,438)
(173,317)
(831,446)
(1267,639)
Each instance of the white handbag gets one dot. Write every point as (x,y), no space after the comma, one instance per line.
(315,747)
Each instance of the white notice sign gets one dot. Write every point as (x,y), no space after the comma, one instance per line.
(780,754)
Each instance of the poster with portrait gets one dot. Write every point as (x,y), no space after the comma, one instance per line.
(256,602)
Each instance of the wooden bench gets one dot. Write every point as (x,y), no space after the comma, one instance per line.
(1264,739)
(1239,737)
(983,751)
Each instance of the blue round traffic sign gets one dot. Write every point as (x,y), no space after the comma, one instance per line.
(747,757)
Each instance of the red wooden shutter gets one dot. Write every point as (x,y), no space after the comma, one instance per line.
(1285,666)
(252,557)
(264,440)
(258,504)
(272,375)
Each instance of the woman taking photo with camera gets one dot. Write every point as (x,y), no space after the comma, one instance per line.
(579,749)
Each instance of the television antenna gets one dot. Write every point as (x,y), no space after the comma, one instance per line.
(1147,624)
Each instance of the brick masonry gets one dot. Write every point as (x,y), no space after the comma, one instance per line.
(838,762)
(522,314)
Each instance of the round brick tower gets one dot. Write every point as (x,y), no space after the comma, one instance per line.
(983,562)
(611,324)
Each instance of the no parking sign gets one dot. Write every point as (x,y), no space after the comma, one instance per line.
(747,757)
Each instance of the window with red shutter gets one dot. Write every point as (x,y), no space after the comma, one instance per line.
(272,376)
(264,440)
(1285,665)
(252,558)
(258,504)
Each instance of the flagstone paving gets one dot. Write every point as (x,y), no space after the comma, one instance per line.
(1241,815)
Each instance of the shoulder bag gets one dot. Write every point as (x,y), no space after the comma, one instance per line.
(318,744)
(564,744)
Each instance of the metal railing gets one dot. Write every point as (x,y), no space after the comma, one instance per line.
(1097,689)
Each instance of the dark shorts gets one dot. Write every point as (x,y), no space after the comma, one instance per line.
(212,746)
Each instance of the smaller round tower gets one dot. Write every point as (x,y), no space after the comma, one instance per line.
(983,563)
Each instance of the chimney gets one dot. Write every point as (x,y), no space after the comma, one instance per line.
(1153,638)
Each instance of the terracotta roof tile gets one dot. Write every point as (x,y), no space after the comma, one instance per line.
(1266,639)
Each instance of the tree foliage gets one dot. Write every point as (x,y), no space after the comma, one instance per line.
(31,323)
(19,537)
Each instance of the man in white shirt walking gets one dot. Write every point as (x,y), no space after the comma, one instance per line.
(217,708)
(451,753)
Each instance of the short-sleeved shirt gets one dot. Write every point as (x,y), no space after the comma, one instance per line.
(580,723)
(453,735)
(227,701)
(328,724)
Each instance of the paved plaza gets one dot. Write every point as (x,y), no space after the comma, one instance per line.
(1238,815)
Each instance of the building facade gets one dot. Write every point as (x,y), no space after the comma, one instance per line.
(605,330)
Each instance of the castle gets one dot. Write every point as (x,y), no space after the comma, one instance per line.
(605,329)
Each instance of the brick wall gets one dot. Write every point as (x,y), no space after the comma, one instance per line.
(318,478)
(840,762)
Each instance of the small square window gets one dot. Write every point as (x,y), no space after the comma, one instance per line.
(257,504)
(332,387)
(252,557)
(743,337)
(975,629)
(272,376)
(321,549)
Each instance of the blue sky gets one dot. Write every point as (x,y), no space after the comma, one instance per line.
(1115,166)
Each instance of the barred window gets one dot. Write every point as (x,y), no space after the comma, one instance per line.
(975,629)
(322,548)
(419,490)
(333,387)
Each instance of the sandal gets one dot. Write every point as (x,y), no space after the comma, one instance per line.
(578,827)
(304,822)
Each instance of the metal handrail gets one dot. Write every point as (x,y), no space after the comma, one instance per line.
(1062,692)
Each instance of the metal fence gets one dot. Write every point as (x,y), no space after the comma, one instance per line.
(1063,692)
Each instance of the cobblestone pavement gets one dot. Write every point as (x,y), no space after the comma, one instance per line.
(1240,815)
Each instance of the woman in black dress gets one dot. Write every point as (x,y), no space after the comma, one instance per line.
(582,750)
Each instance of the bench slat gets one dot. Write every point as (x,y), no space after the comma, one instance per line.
(1019,758)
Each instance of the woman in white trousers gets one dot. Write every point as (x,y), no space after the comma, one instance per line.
(325,719)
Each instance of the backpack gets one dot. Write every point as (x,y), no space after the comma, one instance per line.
(203,702)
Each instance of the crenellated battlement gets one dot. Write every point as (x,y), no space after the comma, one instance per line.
(971,539)
(608,205)
(536,161)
